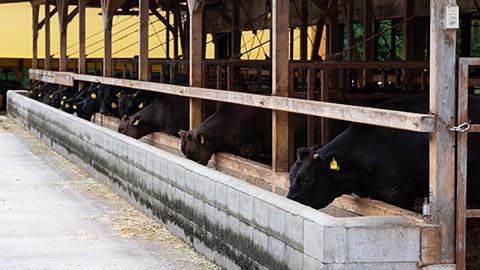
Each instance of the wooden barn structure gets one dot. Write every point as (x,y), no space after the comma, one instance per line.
(306,86)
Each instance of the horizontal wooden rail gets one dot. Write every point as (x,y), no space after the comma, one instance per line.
(371,116)
(473,213)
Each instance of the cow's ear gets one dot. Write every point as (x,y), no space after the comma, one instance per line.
(201,138)
(182,133)
(141,104)
(302,152)
(334,161)
(136,121)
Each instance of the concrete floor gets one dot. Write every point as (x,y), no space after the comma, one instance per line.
(54,216)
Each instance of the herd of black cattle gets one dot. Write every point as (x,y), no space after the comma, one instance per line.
(385,164)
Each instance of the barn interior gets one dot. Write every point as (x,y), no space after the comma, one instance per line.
(344,52)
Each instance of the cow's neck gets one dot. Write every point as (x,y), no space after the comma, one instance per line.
(350,177)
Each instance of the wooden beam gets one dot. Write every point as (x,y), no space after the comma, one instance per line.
(372,116)
(409,41)
(368,45)
(82,64)
(62,7)
(47,38)
(72,15)
(442,142)
(304,31)
(143,53)
(35,14)
(108,10)
(196,58)
(42,22)
(280,70)
(162,19)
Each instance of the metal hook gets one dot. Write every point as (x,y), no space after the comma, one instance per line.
(464,127)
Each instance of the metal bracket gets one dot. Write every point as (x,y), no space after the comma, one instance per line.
(464,127)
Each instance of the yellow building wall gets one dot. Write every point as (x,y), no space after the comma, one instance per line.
(16,35)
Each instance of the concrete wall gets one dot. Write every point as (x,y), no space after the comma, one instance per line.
(233,223)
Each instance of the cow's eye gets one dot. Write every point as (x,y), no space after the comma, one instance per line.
(307,180)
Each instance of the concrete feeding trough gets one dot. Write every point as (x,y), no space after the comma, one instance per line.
(232,222)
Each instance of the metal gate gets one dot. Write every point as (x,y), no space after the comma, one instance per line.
(463,128)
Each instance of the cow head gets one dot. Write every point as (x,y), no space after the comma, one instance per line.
(134,126)
(129,104)
(316,178)
(196,146)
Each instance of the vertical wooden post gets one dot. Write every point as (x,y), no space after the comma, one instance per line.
(304,32)
(409,41)
(368,46)
(35,11)
(167,35)
(47,64)
(62,10)
(442,142)
(82,64)
(143,54)
(280,69)
(196,58)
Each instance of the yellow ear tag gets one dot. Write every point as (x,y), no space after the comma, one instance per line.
(75,107)
(202,139)
(140,106)
(30,91)
(64,97)
(334,165)
(40,94)
(136,122)
(62,102)
(67,106)
(114,105)
(93,96)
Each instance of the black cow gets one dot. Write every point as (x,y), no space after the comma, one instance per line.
(166,113)
(390,165)
(236,129)
(100,98)
(71,105)
(129,104)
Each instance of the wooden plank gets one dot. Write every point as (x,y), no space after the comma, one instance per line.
(35,14)
(473,213)
(372,116)
(304,30)
(82,64)
(42,22)
(474,129)
(47,63)
(280,68)
(429,242)
(196,58)
(442,142)
(461,169)
(143,53)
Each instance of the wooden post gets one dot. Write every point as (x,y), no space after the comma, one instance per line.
(143,54)
(304,33)
(196,58)
(167,35)
(62,8)
(409,41)
(48,63)
(368,46)
(280,69)
(82,64)
(442,142)
(35,11)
